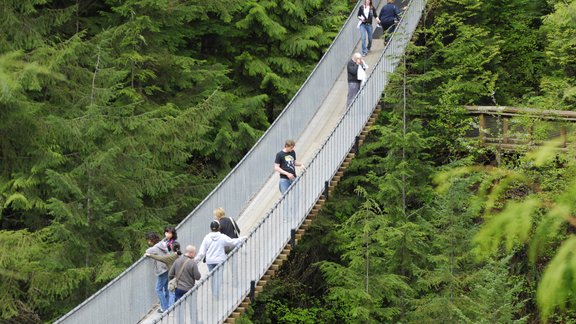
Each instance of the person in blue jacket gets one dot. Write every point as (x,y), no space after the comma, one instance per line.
(389,16)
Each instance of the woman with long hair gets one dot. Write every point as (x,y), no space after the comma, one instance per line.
(366,14)
(170,236)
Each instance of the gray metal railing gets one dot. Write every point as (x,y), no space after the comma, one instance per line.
(214,298)
(131,295)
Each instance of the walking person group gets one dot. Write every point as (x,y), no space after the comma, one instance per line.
(177,273)
(167,258)
(356,67)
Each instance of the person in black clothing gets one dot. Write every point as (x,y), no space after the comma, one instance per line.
(285,164)
(170,236)
(227,225)
(366,13)
(353,82)
(389,16)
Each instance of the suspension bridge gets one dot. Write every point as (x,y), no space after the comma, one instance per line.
(327,134)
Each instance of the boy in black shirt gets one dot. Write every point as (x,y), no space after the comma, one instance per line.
(285,164)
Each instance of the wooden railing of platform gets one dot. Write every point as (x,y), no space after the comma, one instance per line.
(517,128)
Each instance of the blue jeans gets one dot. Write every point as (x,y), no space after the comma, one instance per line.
(185,317)
(216,279)
(366,32)
(179,293)
(284,185)
(162,290)
(171,298)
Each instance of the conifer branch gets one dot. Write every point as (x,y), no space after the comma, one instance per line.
(96,69)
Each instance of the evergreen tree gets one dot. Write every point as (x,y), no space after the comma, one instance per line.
(279,42)
(29,24)
(558,84)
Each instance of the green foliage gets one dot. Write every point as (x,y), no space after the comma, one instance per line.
(460,55)
(279,43)
(558,283)
(34,272)
(486,295)
(29,24)
(286,301)
(512,227)
(559,30)
(360,285)
(537,220)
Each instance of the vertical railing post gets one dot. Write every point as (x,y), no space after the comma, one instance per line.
(505,129)
(357,145)
(326,183)
(252,290)
(481,129)
(292,238)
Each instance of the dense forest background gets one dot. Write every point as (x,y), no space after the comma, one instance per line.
(118,117)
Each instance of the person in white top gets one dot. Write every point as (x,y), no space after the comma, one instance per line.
(355,77)
(213,247)
(362,74)
(366,13)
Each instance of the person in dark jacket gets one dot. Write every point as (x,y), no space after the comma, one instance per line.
(389,16)
(227,225)
(353,81)
(366,14)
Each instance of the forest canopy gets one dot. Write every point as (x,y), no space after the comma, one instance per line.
(118,117)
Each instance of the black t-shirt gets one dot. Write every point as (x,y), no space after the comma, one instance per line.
(286,162)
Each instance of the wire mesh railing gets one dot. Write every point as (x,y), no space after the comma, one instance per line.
(215,297)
